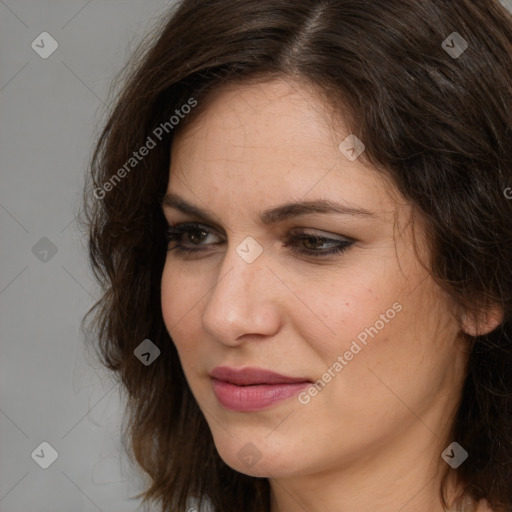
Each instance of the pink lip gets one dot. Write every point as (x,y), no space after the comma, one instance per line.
(253,389)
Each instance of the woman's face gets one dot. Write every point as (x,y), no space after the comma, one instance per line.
(367,323)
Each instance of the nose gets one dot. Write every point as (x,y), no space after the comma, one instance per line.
(243,302)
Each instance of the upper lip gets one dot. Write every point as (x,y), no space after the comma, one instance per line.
(250,375)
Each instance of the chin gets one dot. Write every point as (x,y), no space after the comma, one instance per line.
(251,459)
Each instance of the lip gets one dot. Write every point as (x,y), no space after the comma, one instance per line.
(250,375)
(253,389)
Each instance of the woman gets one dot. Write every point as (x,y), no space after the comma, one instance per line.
(299,216)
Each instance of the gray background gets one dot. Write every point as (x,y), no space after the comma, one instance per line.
(51,388)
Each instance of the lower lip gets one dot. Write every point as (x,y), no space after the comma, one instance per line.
(254,398)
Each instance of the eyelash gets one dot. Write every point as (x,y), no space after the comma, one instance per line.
(175,234)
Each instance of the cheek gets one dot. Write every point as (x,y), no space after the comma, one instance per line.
(177,298)
(352,311)
(408,354)
(368,323)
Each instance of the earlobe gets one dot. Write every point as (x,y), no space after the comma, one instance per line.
(484,323)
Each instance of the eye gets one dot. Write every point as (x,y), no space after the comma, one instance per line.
(311,245)
(194,232)
(192,237)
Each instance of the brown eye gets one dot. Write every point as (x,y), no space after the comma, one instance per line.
(311,245)
(313,242)
(189,237)
(197,236)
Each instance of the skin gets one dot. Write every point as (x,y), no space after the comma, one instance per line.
(371,439)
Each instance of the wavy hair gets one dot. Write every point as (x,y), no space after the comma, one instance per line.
(439,125)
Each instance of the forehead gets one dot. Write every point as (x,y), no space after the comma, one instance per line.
(254,114)
(265,143)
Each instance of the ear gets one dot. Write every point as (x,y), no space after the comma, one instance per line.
(483,323)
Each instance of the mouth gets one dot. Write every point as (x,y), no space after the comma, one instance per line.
(250,376)
(253,389)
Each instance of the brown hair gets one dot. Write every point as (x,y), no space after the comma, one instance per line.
(438,124)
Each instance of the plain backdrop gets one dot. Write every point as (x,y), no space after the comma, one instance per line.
(50,389)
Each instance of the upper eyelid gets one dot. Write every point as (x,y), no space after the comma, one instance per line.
(194,226)
(190,225)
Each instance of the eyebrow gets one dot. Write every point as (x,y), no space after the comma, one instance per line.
(273,215)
